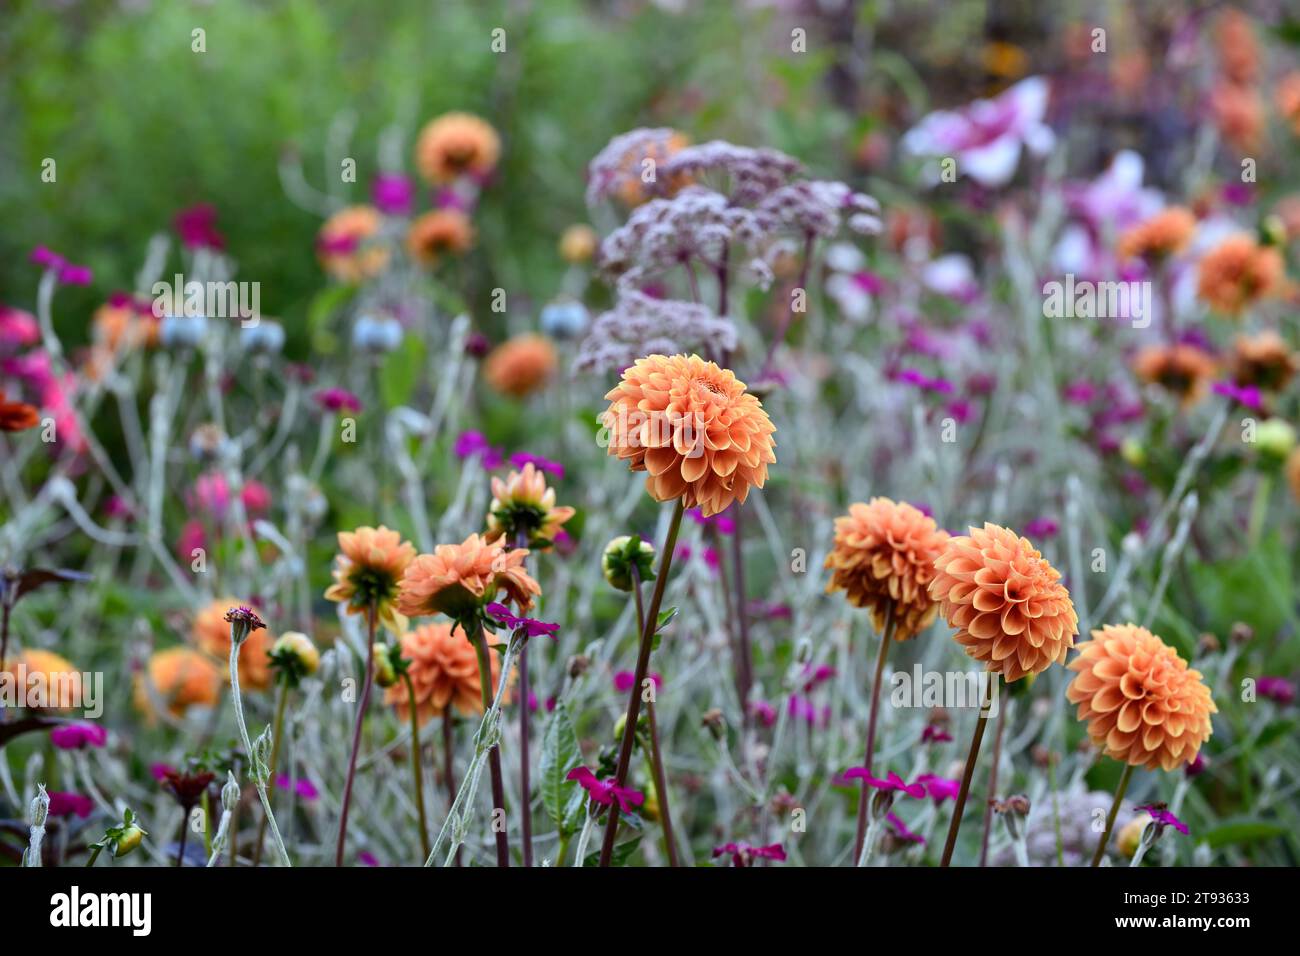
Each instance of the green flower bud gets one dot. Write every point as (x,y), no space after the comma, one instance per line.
(230,793)
(1275,438)
(385,673)
(130,838)
(295,653)
(1133,452)
(620,554)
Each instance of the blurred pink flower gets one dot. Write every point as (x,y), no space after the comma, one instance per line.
(604,792)
(338,400)
(197,227)
(392,193)
(623,681)
(939,788)
(18,328)
(892,782)
(66,804)
(742,854)
(78,736)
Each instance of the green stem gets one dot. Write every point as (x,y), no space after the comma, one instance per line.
(94,855)
(276,730)
(960,807)
(886,639)
(1114,812)
(258,780)
(371,613)
(415,765)
(494,752)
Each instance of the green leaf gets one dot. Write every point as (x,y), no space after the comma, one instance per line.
(1243,831)
(560,754)
(401,372)
(619,857)
(1275,729)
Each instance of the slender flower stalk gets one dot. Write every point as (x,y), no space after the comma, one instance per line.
(372,613)
(993,784)
(1114,812)
(415,764)
(449,763)
(642,665)
(886,639)
(960,806)
(656,756)
(277,731)
(525,794)
(494,751)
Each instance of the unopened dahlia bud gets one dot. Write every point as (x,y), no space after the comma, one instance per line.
(131,838)
(578,243)
(1275,438)
(1133,451)
(296,655)
(385,673)
(578,665)
(619,556)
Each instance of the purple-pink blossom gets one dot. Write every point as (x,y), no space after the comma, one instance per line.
(939,788)
(392,193)
(1277,689)
(1247,395)
(338,400)
(892,782)
(471,443)
(531,627)
(901,830)
(521,458)
(624,680)
(742,854)
(606,792)
(933,733)
(302,787)
(1162,817)
(78,736)
(197,227)
(69,804)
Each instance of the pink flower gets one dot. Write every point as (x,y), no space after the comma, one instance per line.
(193,537)
(67,804)
(1277,689)
(532,628)
(521,458)
(901,830)
(471,443)
(986,137)
(78,736)
(742,854)
(892,783)
(813,676)
(18,328)
(338,400)
(47,258)
(1247,395)
(1163,818)
(623,681)
(303,788)
(933,733)
(939,788)
(75,275)
(605,792)
(764,712)
(392,194)
(197,227)
(1041,528)
(366,858)
(159,771)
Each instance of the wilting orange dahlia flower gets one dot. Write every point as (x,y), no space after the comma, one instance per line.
(1263,360)
(1183,370)
(1143,704)
(179,677)
(368,569)
(524,503)
(1006,602)
(459,578)
(61,679)
(521,365)
(211,634)
(346,245)
(456,144)
(443,671)
(438,233)
(1237,272)
(693,427)
(883,558)
(1164,234)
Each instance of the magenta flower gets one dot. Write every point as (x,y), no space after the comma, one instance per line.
(471,443)
(742,854)
(532,628)
(605,792)
(47,258)
(934,734)
(337,400)
(923,381)
(71,274)
(1197,766)
(892,783)
(159,771)
(78,736)
(1277,689)
(869,282)
(521,458)
(1079,392)
(939,788)
(1247,395)
(901,830)
(1041,528)
(721,522)
(68,804)
(303,788)
(366,858)
(764,712)
(392,193)
(337,245)
(813,676)
(197,227)
(1163,818)
(623,681)
(804,709)
(18,328)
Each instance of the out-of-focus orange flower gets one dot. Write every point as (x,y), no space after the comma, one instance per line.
(1238,272)
(61,679)
(1005,60)
(1159,237)
(1293,472)
(906,226)
(1287,97)
(1263,360)
(211,634)
(1143,705)
(524,503)
(1239,113)
(631,189)
(693,427)
(883,559)
(347,244)
(521,365)
(1288,212)
(17,416)
(442,232)
(457,579)
(454,145)
(578,243)
(1238,49)
(368,569)
(443,672)
(1183,370)
(1005,600)
(180,678)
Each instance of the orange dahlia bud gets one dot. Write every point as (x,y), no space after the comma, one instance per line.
(368,569)
(438,233)
(521,365)
(1143,704)
(1159,237)
(457,579)
(692,425)
(1182,370)
(444,671)
(347,244)
(456,144)
(180,678)
(578,243)
(524,504)
(1006,602)
(211,634)
(883,559)
(1237,272)
(1263,360)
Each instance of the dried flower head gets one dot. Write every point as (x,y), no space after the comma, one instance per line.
(1183,370)
(180,678)
(458,579)
(454,145)
(1143,705)
(1238,272)
(523,504)
(439,233)
(1005,600)
(1263,360)
(640,325)
(883,559)
(368,570)
(693,427)
(1164,234)
(521,365)
(348,247)
(210,633)
(443,670)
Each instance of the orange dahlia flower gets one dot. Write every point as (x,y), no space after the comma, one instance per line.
(62,680)
(1159,237)
(692,425)
(368,569)
(211,634)
(346,244)
(457,579)
(17,416)
(1293,472)
(1237,272)
(181,678)
(1287,97)
(524,503)
(521,365)
(1143,704)
(1183,370)
(443,671)
(121,326)
(438,233)
(578,243)
(1005,600)
(1238,50)
(1263,360)
(883,559)
(456,144)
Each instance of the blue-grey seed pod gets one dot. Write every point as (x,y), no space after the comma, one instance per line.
(264,338)
(376,335)
(182,331)
(564,319)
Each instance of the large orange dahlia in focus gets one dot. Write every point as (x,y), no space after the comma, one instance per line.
(459,578)
(883,558)
(1143,704)
(443,671)
(1006,602)
(692,425)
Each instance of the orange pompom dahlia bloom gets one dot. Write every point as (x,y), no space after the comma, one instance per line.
(1162,235)
(1005,600)
(1183,370)
(692,425)
(456,144)
(347,245)
(524,503)
(883,559)
(438,233)
(457,579)
(211,634)
(60,678)
(443,672)
(368,569)
(180,678)
(1263,360)
(1143,704)
(1237,272)
(521,365)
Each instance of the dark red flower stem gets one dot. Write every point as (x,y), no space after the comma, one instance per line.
(371,614)
(642,665)
(886,638)
(993,785)
(656,756)
(960,806)
(525,790)
(1110,817)
(494,754)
